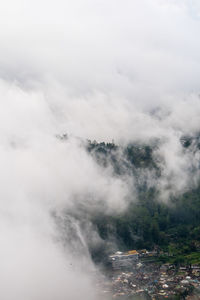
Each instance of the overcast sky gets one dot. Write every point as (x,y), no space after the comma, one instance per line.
(95,59)
(138,49)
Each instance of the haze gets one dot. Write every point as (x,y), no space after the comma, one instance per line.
(94,69)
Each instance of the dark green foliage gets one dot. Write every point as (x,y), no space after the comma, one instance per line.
(149,223)
(123,159)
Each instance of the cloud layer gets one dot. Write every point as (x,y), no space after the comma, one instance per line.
(122,70)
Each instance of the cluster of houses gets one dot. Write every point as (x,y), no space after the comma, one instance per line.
(123,259)
(133,275)
(120,260)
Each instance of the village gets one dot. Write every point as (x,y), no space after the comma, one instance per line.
(137,275)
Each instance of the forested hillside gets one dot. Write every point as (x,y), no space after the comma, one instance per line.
(172,226)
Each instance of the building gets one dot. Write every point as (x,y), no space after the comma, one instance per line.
(124,259)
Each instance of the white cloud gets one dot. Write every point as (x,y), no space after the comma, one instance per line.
(127,70)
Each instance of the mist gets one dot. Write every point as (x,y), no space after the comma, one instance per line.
(126,71)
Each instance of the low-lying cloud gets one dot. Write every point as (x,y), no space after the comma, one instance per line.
(127,71)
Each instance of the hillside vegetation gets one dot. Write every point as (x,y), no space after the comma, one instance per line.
(172,227)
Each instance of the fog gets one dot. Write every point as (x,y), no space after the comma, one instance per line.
(126,71)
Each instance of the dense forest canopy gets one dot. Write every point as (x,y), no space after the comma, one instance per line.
(172,226)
